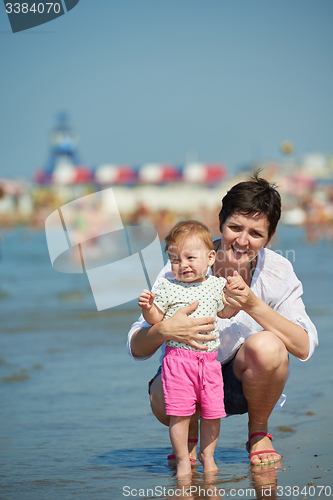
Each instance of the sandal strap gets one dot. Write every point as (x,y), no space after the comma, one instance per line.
(260,434)
(261,452)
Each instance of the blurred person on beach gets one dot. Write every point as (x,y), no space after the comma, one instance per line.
(190,377)
(255,343)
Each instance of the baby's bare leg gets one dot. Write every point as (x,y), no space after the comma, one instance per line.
(178,430)
(209,434)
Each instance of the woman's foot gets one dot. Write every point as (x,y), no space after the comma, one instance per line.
(260,448)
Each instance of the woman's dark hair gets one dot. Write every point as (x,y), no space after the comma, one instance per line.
(251,197)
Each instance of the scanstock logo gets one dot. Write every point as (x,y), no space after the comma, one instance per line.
(87,235)
(28,14)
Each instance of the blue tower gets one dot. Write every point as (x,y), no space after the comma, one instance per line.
(63,141)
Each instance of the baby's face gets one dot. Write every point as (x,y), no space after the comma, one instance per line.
(190,260)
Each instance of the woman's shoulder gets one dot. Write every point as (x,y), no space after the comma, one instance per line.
(274,266)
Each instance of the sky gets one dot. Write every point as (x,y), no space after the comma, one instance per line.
(169,81)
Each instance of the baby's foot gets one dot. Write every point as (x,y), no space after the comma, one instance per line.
(208,463)
(183,468)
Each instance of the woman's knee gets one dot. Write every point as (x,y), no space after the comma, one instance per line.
(266,351)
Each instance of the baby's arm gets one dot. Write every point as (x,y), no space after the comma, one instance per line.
(226,312)
(150,311)
(234,283)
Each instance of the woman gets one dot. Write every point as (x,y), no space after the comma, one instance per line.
(271,321)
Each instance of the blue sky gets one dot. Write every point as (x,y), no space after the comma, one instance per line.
(166,81)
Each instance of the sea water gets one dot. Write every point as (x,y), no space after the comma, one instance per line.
(75,415)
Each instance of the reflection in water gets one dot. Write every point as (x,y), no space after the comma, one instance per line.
(210,486)
(200,486)
(264,480)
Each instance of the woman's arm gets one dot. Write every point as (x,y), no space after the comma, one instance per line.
(180,327)
(294,337)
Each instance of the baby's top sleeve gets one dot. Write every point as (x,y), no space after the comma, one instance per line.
(160,289)
(220,303)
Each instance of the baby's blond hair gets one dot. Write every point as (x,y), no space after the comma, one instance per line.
(189,228)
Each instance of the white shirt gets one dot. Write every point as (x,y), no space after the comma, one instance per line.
(274,282)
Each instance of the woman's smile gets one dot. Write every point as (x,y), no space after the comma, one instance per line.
(238,250)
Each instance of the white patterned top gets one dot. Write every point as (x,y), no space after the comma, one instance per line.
(171,295)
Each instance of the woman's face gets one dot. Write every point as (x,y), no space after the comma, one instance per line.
(243,236)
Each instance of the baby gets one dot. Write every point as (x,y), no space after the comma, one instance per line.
(191,377)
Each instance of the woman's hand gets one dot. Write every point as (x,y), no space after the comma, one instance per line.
(238,294)
(182,328)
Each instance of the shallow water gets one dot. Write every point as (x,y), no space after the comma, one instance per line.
(75,417)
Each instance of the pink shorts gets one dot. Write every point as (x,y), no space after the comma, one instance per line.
(192,378)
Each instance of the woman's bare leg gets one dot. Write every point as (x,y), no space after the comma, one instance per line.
(262,366)
(157,402)
(209,435)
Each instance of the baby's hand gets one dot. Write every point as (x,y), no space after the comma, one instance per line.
(235,282)
(146,300)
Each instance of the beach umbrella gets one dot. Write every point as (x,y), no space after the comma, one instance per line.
(114,174)
(126,174)
(204,173)
(83,175)
(158,173)
(64,174)
(215,172)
